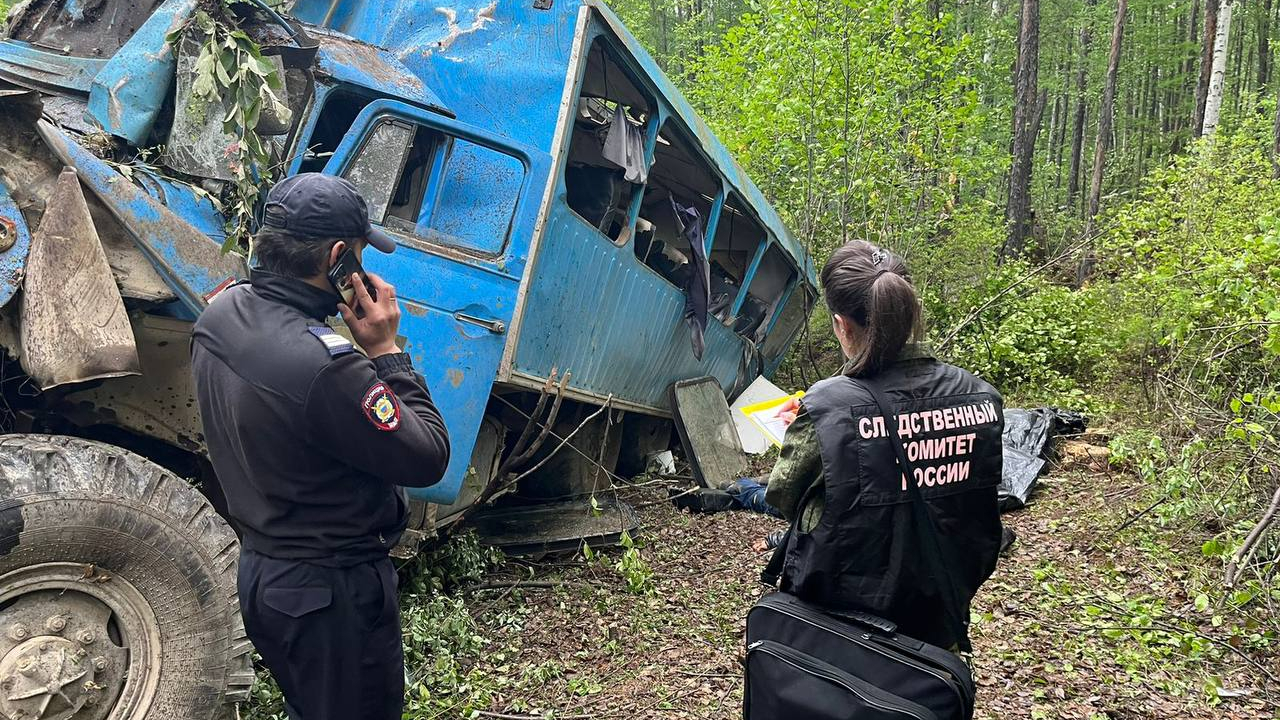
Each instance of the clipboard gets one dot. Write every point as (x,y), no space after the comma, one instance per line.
(763,415)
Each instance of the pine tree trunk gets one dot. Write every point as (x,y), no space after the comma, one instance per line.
(1275,145)
(1188,90)
(1025,110)
(1239,74)
(1207,55)
(1213,101)
(1077,131)
(1104,131)
(1264,48)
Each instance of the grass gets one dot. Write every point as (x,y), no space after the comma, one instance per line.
(1083,620)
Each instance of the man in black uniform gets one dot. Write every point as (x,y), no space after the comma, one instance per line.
(311,441)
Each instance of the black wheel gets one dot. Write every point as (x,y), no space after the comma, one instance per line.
(117,589)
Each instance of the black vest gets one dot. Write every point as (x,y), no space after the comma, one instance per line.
(865,552)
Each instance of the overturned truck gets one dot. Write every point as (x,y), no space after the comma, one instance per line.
(556,201)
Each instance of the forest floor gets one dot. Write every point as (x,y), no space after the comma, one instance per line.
(1094,613)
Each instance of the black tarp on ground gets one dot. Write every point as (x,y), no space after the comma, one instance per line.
(1027,436)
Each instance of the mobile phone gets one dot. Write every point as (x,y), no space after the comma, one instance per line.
(340,277)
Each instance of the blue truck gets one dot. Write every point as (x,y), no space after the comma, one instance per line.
(554,198)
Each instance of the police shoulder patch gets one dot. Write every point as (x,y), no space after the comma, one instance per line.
(381,407)
(333,342)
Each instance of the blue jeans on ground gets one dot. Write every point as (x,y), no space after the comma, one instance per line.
(749,493)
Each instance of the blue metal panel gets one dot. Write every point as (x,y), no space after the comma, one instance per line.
(127,94)
(457,307)
(30,67)
(612,322)
(347,61)
(499,65)
(194,207)
(475,203)
(13,228)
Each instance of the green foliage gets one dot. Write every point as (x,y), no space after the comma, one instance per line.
(631,566)
(1196,268)
(449,563)
(232,73)
(855,118)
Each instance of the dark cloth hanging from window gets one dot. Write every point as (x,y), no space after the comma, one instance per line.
(697,289)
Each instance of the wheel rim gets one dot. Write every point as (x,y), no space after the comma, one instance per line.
(76,643)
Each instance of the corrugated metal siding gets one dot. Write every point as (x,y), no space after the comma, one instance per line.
(618,327)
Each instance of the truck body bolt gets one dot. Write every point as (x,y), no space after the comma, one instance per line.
(91,699)
(86,637)
(99,664)
(27,666)
(18,631)
(56,624)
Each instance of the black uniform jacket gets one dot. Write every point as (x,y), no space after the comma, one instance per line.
(866,552)
(308,437)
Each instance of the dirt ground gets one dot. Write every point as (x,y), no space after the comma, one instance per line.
(1083,619)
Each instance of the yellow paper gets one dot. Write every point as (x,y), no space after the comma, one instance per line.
(764,415)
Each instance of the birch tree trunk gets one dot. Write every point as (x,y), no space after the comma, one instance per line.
(988,54)
(1213,101)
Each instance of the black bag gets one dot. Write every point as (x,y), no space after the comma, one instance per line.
(804,661)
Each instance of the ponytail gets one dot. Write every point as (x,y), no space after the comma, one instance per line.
(872,287)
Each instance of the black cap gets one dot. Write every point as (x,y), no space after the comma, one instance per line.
(314,205)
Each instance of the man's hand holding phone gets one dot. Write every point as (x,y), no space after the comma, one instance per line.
(376,323)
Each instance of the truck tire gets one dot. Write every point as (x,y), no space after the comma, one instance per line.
(117,589)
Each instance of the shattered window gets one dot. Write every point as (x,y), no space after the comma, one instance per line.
(377,167)
(768,285)
(335,120)
(791,318)
(606,166)
(738,237)
(420,182)
(679,176)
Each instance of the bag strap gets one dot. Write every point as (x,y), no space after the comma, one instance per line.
(772,572)
(930,545)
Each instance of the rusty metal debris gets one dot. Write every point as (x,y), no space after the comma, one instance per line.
(74,327)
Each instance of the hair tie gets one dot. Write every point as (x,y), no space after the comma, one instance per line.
(881,271)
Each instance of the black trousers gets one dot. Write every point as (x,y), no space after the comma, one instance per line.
(330,636)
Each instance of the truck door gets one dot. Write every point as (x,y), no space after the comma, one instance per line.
(460,202)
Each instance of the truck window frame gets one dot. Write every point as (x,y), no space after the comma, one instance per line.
(611,59)
(447,131)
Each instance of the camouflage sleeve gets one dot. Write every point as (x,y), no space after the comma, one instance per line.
(799,466)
